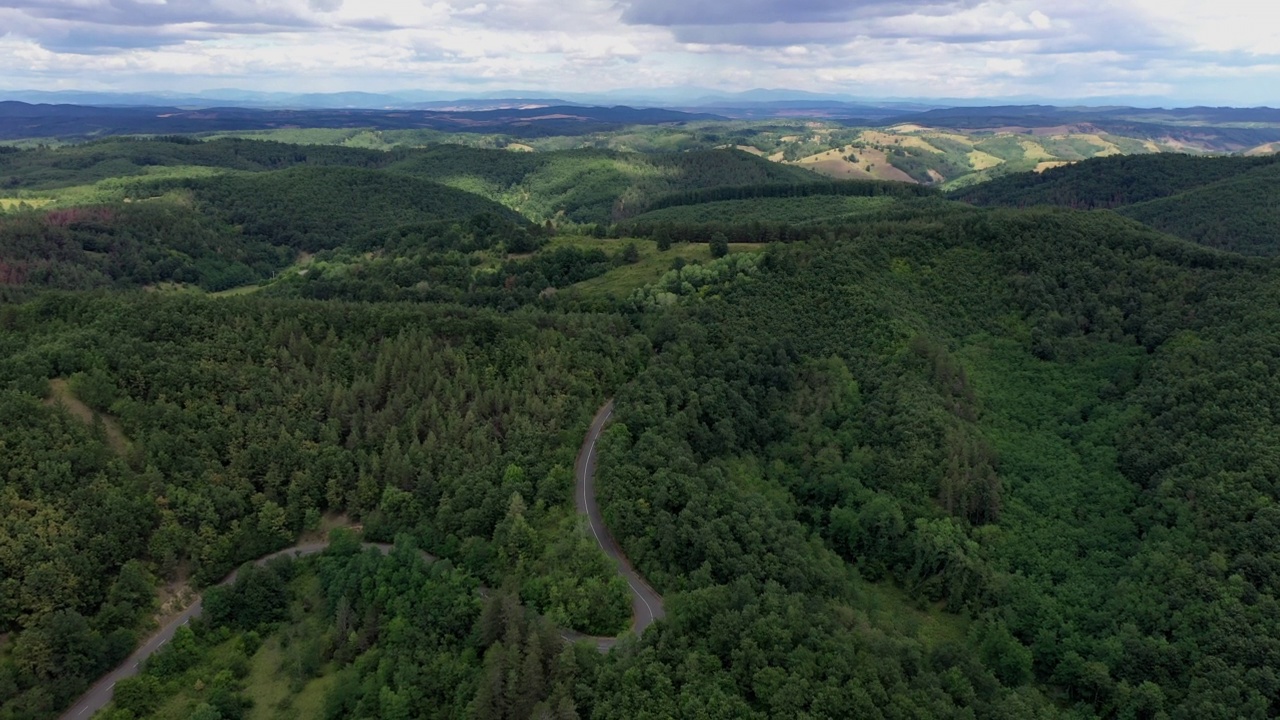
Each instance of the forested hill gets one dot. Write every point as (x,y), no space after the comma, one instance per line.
(1110,182)
(22,120)
(317,208)
(886,455)
(226,213)
(1231,203)
(73,165)
(592,185)
(588,186)
(1045,420)
(228,230)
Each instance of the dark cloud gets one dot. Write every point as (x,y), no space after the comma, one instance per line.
(325,5)
(681,13)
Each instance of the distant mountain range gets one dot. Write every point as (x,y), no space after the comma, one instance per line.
(20,120)
(1231,129)
(675,98)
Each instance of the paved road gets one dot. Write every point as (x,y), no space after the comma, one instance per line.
(100,694)
(646,605)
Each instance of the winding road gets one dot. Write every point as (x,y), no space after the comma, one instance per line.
(646,605)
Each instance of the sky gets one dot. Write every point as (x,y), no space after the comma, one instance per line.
(1224,52)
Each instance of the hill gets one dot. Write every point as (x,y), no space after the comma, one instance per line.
(230,230)
(1240,214)
(21,120)
(1223,202)
(88,163)
(909,458)
(591,186)
(587,186)
(311,209)
(933,399)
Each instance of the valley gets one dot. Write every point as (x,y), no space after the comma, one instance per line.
(981,431)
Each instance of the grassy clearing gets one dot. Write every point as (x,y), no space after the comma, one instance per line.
(1050,164)
(271,678)
(892,609)
(266,685)
(872,164)
(237,291)
(622,281)
(63,395)
(7,204)
(120,189)
(1035,151)
(979,160)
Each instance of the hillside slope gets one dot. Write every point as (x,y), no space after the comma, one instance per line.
(1110,182)
(1223,202)
(590,185)
(1241,214)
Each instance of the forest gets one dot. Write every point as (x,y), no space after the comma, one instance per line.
(885,453)
(1222,202)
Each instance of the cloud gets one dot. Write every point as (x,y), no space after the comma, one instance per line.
(681,13)
(904,48)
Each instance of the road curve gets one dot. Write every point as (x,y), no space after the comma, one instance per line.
(646,605)
(100,694)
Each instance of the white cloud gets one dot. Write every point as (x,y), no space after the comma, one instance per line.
(903,48)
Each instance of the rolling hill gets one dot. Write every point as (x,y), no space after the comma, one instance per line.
(22,120)
(1224,202)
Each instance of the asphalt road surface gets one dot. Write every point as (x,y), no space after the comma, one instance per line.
(100,694)
(646,605)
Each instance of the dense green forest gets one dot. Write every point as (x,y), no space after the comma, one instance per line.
(585,186)
(818,208)
(249,420)
(1111,182)
(907,458)
(229,213)
(1045,421)
(1229,203)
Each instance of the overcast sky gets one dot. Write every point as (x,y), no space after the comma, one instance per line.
(1225,51)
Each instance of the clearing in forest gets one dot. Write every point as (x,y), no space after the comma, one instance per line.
(62,395)
(15,203)
(871,165)
(979,160)
(1048,164)
(1035,151)
(883,138)
(653,264)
